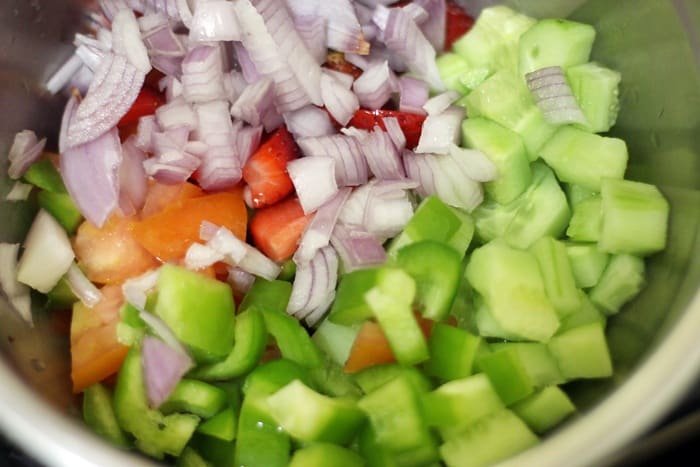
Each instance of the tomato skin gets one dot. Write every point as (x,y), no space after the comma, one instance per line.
(160,196)
(457,23)
(336,61)
(146,103)
(276,229)
(411,123)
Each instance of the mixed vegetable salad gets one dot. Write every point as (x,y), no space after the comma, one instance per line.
(375,232)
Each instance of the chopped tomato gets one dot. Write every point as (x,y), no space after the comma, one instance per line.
(371,346)
(266,170)
(96,353)
(111,254)
(410,123)
(276,229)
(336,61)
(169,233)
(457,23)
(146,103)
(160,196)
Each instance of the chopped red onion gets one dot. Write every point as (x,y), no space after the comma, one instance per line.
(434,25)
(25,150)
(126,40)
(441,102)
(393,129)
(47,254)
(357,248)
(413,94)
(554,97)
(313,282)
(246,140)
(172,167)
(353,211)
(440,131)
(320,311)
(344,79)
(163,368)
(19,191)
(375,85)
(81,286)
(235,84)
(90,50)
(66,75)
(250,73)
(388,208)
(318,232)
(90,172)
(16,292)
(133,182)
(115,87)
(146,7)
(136,289)
(184,11)
(344,32)
(419,169)
(214,21)
(220,168)
(382,156)
(474,163)
(219,171)
(169,66)
(175,114)
(405,39)
(360,61)
(339,100)
(314,181)
(240,281)
(254,102)
(312,30)
(309,121)
(111,7)
(144,133)
(417,12)
(350,165)
(203,75)
(159,37)
(451,184)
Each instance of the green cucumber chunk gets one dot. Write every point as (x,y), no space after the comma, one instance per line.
(634,218)
(198,309)
(545,409)
(587,263)
(506,150)
(557,275)
(373,377)
(349,306)
(585,158)
(555,42)
(196,397)
(98,413)
(436,269)
(452,352)
(588,313)
(576,193)
(310,416)
(191,458)
(582,352)
(489,440)
(451,67)
(596,89)
(319,455)
(622,279)
(62,208)
(585,223)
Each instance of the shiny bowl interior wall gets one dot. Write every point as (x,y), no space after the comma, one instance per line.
(656,46)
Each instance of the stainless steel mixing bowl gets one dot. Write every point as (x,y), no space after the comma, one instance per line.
(655,341)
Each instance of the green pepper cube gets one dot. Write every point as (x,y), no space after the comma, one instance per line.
(222,425)
(215,451)
(330,379)
(452,352)
(99,415)
(320,454)
(267,295)
(350,306)
(191,458)
(292,339)
(310,416)
(260,442)
(582,352)
(62,207)
(545,409)
(273,375)
(43,174)
(195,397)
(199,310)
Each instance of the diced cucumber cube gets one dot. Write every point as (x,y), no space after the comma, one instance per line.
(587,263)
(588,313)
(506,150)
(319,455)
(472,78)
(555,42)
(310,416)
(545,409)
(452,352)
(457,404)
(585,222)
(622,279)
(557,275)
(487,325)
(373,377)
(582,352)
(576,193)
(489,440)
(596,90)
(491,219)
(634,218)
(335,340)
(585,158)
(511,285)
(451,67)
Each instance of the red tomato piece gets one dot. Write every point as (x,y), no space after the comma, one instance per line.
(276,229)
(146,103)
(457,24)
(410,123)
(336,61)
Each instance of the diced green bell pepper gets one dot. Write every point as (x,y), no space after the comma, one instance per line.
(195,397)
(222,425)
(217,452)
(332,380)
(267,295)
(43,174)
(335,340)
(350,306)
(61,297)
(273,375)
(545,409)
(99,415)
(292,339)
(373,377)
(320,454)
(191,458)
(260,441)
(452,352)
(62,207)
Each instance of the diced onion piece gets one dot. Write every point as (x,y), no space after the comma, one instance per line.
(159,38)
(214,21)
(357,248)
(474,163)
(254,102)
(161,329)
(176,113)
(375,85)
(382,156)
(241,281)
(453,186)
(396,134)
(19,191)
(126,40)
(554,97)
(318,232)
(256,263)
(438,104)
(320,311)
(344,32)
(81,286)
(312,30)
(440,131)
(25,150)
(317,280)
(163,368)
(413,95)
(314,181)
(434,25)
(144,133)
(133,182)
(388,208)
(350,165)
(16,292)
(203,75)
(199,256)
(136,289)
(309,121)
(47,254)
(230,247)
(419,169)
(340,102)
(246,140)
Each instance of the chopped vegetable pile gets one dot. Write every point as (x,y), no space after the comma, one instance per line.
(352,233)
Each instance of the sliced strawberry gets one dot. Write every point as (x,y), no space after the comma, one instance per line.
(266,170)
(146,103)
(336,61)
(457,24)
(276,229)
(410,123)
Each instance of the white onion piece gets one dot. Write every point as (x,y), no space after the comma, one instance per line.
(240,281)
(339,100)
(439,103)
(225,243)
(452,185)
(474,163)
(47,254)
(19,191)
(163,368)
(388,208)
(16,292)
(314,181)
(146,7)
(396,134)
(265,53)
(440,131)
(126,40)
(111,7)
(133,182)
(554,97)
(344,32)
(403,37)
(312,30)
(81,286)
(136,289)
(91,175)
(114,89)
(350,165)
(357,248)
(159,37)
(25,150)
(234,84)
(434,25)
(203,75)
(260,265)
(161,329)
(237,252)
(382,156)
(214,21)
(309,121)
(301,288)
(199,256)
(254,102)
(375,85)
(318,232)
(413,94)
(184,11)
